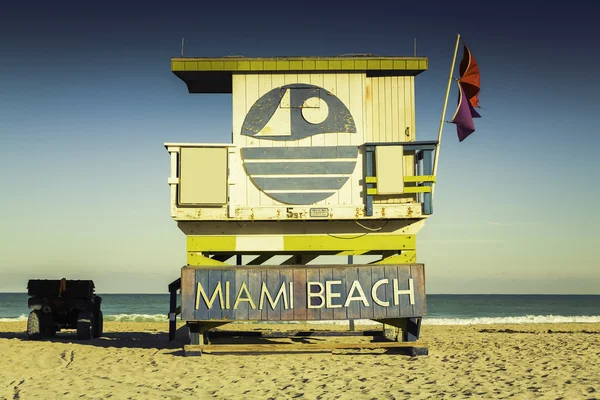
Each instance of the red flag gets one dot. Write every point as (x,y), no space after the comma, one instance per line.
(469,77)
(463,117)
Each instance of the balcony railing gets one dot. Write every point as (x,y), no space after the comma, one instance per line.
(422,177)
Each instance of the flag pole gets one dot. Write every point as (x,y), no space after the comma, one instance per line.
(437,148)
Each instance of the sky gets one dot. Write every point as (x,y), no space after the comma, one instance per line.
(87,100)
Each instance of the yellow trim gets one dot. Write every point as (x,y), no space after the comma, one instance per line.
(417,189)
(344,242)
(417,178)
(387,64)
(211,243)
(298,63)
(352,252)
(405,257)
(420,178)
(347,244)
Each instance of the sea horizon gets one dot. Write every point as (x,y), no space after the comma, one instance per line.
(442,309)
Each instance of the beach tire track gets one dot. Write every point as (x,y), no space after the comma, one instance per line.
(17,390)
(70,359)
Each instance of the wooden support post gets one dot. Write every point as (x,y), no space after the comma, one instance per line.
(173,288)
(412,330)
(194,333)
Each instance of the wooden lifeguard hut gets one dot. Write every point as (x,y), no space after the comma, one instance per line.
(323,160)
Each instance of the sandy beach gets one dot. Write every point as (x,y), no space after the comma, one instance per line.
(135,361)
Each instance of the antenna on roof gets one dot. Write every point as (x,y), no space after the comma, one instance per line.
(415,47)
(182,47)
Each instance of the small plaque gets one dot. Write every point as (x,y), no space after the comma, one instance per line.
(319,212)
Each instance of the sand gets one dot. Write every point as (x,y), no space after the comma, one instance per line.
(135,361)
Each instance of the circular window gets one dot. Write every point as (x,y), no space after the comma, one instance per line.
(315,110)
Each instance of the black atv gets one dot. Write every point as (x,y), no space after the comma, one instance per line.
(63,304)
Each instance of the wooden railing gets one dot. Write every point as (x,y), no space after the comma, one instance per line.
(423,178)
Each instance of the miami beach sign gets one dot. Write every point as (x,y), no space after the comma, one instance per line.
(303,292)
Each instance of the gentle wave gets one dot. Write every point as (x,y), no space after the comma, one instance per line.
(21,317)
(137,318)
(528,319)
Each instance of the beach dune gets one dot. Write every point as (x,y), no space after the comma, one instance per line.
(136,361)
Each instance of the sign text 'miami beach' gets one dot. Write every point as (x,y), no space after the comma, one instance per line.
(285,293)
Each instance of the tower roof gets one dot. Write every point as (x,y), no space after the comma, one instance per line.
(213,75)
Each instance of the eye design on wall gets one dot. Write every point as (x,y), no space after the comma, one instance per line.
(298,175)
(297,111)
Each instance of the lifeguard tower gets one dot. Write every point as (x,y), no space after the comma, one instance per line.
(323,160)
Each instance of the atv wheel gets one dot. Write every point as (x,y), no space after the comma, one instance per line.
(98,325)
(85,325)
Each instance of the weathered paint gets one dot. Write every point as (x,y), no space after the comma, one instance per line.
(338,118)
(337,141)
(299,243)
(298,153)
(300,139)
(300,168)
(277,293)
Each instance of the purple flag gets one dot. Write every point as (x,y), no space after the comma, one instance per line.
(463,117)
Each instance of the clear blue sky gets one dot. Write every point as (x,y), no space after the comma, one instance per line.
(87,100)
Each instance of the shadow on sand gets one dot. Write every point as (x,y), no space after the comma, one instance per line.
(160,341)
(130,340)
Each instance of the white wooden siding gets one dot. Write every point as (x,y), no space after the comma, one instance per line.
(389,109)
(390,115)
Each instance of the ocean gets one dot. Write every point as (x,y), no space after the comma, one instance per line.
(442,309)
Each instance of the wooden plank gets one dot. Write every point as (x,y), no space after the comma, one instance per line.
(402,107)
(312,275)
(413,122)
(376,131)
(418,275)
(326,274)
(378,274)
(408,104)
(389,125)
(317,140)
(241,278)
(330,84)
(202,277)
(188,282)
(287,277)
(253,195)
(255,278)
(364,277)
(300,313)
(344,139)
(339,312)
(406,309)
(353,306)
(391,273)
(265,85)
(214,278)
(297,347)
(229,290)
(381,105)
(369,110)
(273,285)
(393,101)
